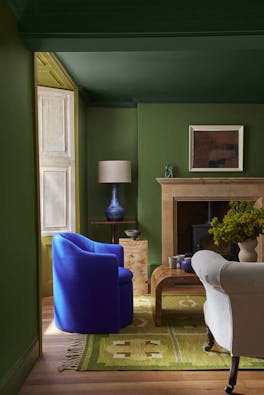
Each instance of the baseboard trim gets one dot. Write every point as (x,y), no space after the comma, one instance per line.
(12,381)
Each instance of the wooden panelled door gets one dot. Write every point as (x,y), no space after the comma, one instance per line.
(57,171)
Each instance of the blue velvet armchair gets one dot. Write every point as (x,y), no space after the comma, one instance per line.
(93,292)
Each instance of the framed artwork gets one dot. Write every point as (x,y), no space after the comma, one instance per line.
(216,147)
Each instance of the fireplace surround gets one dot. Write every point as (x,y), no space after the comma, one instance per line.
(175,190)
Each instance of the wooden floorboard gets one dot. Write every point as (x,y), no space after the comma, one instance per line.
(45,378)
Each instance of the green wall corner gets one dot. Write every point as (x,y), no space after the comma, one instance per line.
(18,208)
(111,135)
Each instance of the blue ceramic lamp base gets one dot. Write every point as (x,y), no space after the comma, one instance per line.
(114,212)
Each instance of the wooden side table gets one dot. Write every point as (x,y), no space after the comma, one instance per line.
(163,277)
(113,225)
(136,259)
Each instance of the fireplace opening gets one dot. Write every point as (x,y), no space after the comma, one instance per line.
(193,223)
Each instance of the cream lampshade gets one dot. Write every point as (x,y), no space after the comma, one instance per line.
(114,172)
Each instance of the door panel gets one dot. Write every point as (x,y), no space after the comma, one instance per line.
(54,122)
(57,171)
(54,185)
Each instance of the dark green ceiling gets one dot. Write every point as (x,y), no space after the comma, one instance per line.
(123,50)
(176,76)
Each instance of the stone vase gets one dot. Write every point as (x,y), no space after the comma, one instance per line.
(247,251)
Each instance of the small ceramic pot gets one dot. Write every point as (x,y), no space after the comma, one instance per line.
(186,265)
(172,262)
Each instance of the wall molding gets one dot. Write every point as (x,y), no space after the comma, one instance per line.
(17,374)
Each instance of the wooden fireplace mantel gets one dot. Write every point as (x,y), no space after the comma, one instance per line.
(204,189)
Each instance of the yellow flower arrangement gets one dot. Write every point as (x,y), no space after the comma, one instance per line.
(242,222)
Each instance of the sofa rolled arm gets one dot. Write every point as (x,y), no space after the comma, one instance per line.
(208,265)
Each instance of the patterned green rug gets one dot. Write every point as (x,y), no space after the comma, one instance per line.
(176,345)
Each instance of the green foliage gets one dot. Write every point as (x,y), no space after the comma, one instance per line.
(242,222)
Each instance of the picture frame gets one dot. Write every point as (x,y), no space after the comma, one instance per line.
(216,148)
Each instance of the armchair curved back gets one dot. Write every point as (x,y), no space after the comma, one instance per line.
(86,284)
(94,246)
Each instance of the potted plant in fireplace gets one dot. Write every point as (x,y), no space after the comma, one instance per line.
(242,224)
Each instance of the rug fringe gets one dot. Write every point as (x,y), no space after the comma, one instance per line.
(74,353)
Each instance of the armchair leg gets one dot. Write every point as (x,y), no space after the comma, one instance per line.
(232,375)
(211,340)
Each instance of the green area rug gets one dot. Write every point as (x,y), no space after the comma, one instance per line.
(176,345)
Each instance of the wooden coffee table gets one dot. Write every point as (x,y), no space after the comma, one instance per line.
(163,277)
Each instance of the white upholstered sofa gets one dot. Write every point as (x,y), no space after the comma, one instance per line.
(234,306)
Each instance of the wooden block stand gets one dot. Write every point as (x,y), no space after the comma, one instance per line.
(136,259)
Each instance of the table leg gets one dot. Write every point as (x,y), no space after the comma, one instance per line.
(158,308)
(113,235)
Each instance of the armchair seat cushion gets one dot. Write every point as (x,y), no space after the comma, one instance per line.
(124,275)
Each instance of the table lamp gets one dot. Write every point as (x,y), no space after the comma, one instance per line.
(114,172)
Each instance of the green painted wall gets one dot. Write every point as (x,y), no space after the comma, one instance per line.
(111,135)
(163,138)
(152,136)
(18,211)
